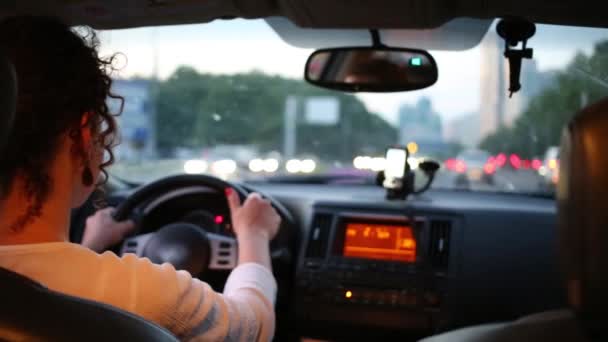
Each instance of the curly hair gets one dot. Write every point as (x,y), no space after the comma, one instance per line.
(61,80)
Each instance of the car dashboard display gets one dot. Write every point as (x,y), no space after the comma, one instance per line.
(378,241)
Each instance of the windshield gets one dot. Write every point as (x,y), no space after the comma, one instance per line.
(228,98)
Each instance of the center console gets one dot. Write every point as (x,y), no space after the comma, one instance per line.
(385,271)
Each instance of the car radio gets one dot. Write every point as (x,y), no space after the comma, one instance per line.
(387,262)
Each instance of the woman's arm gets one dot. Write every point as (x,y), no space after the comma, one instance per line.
(190,308)
(255,223)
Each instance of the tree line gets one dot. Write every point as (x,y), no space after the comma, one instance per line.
(198,110)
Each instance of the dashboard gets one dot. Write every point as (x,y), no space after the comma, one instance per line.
(365,267)
(436,262)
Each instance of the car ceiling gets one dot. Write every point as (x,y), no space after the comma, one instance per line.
(112,14)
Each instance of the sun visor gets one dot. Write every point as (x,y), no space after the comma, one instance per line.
(456,35)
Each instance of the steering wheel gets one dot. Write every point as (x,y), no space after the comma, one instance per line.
(184,245)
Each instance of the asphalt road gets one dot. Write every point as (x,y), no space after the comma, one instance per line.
(504,180)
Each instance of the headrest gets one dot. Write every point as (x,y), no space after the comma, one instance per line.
(8,97)
(582,196)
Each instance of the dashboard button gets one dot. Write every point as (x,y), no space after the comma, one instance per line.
(432,299)
(392,298)
(313,264)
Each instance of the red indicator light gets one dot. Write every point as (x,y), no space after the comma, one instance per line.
(219,219)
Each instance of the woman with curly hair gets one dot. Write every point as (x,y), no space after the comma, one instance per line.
(56,154)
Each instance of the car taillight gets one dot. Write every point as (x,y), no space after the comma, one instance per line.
(460,166)
(515,161)
(449,164)
(489,168)
(501,160)
(536,164)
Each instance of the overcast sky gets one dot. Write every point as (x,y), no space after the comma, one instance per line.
(245,45)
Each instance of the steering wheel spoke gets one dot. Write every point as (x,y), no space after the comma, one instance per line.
(135,244)
(224,252)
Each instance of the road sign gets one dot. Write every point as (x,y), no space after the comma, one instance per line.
(322,110)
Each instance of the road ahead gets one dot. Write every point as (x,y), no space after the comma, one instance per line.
(504,180)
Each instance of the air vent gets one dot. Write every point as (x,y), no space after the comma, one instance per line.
(319,234)
(439,249)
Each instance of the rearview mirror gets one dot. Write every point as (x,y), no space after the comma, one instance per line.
(371,69)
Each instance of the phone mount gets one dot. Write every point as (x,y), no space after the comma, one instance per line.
(514,31)
(401,188)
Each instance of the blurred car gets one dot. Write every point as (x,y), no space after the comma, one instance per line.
(549,171)
(473,166)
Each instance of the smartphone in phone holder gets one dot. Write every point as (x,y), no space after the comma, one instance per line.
(398,177)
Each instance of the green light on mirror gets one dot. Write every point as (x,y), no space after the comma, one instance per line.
(416,61)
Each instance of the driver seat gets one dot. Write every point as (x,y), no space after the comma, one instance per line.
(582,195)
(30,311)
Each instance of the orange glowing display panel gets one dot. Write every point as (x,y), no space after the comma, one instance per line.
(380,242)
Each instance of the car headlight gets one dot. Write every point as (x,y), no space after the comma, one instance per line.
(378,164)
(362,162)
(270,165)
(256,165)
(224,167)
(293,166)
(308,166)
(195,166)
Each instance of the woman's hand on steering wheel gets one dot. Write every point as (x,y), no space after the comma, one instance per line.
(102,231)
(254,218)
(255,223)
